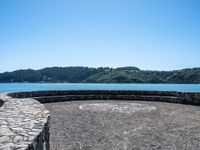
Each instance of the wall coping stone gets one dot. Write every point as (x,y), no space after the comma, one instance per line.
(22,122)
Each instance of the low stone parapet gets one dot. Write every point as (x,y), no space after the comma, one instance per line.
(190,98)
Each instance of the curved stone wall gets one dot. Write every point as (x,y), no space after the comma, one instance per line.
(24,124)
(161,96)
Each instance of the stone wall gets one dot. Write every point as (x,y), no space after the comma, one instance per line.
(24,124)
(91,92)
(162,96)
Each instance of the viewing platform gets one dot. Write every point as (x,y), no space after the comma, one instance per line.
(96,120)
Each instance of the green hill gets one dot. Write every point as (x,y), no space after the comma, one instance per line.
(101,75)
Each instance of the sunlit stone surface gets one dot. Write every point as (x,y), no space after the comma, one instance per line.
(22,123)
(122,108)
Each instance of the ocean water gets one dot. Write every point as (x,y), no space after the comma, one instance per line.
(18,87)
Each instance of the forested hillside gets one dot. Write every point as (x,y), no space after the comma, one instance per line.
(100,75)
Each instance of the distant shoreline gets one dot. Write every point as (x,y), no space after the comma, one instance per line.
(102,75)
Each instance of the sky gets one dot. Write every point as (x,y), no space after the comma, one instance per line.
(149,34)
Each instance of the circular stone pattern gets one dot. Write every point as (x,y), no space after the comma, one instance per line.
(123,125)
(121,108)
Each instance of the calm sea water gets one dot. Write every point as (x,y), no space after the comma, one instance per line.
(16,87)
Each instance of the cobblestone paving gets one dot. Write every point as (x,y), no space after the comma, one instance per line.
(123,125)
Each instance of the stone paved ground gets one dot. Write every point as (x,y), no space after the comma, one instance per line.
(117,125)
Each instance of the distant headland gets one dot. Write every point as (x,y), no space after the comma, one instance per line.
(101,75)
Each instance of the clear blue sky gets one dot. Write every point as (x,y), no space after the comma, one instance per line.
(149,34)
